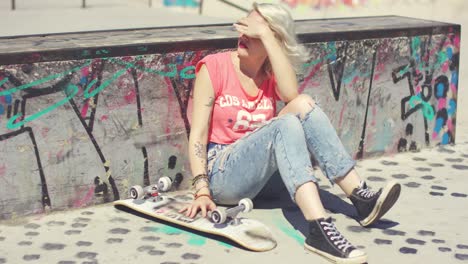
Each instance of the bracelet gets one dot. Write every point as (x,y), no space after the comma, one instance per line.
(205,179)
(201,195)
(198,177)
(198,190)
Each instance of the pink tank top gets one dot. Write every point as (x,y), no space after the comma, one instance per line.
(235,112)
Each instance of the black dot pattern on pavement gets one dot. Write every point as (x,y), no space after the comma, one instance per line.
(461,256)
(407,250)
(428,177)
(190,256)
(389,163)
(426,233)
(32,234)
(84,243)
(114,240)
(414,241)
(461,246)
(145,248)
(438,188)
(428,184)
(31,257)
(25,243)
(55,223)
(150,238)
(376,179)
(119,220)
(148,229)
(82,219)
(87,213)
(444,249)
(392,232)
(72,232)
(412,184)
(358,229)
(460,167)
(423,169)
(32,226)
(400,176)
(459,195)
(153,252)
(454,160)
(382,241)
(79,225)
(120,231)
(52,246)
(173,245)
(445,150)
(86,255)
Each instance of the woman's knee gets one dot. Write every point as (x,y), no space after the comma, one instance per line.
(301,105)
(289,122)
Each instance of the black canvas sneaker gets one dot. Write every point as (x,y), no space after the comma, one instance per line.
(325,240)
(370,205)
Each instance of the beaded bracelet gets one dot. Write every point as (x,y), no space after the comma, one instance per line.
(205,179)
(198,177)
(203,194)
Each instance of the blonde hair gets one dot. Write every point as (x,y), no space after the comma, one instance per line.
(282,24)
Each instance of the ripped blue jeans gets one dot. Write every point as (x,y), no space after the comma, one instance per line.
(284,144)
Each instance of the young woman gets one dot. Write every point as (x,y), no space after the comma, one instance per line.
(236,144)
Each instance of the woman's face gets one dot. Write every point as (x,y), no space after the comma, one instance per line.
(251,47)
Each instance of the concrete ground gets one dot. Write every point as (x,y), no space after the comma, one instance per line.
(425,226)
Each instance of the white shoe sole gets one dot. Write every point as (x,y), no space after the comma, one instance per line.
(387,199)
(333,259)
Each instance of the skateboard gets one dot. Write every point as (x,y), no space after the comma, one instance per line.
(157,201)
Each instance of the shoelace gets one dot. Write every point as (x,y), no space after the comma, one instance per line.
(336,237)
(366,193)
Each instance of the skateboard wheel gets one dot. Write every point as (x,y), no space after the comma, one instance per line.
(218,216)
(164,183)
(136,192)
(247,203)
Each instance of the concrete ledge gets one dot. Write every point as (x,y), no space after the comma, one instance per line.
(97,112)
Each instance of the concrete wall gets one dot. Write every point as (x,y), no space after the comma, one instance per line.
(82,123)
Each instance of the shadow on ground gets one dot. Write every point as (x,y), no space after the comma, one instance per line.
(276,196)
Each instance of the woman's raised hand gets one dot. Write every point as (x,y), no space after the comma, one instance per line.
(253,27)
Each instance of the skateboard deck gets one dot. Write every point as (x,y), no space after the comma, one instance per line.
(249,233)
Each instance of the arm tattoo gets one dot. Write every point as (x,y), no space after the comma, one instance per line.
(200,150)
(211,102)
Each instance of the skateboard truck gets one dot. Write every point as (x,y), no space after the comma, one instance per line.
(153,191)
(221,215)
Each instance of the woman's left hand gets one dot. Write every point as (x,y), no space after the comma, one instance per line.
(253,27)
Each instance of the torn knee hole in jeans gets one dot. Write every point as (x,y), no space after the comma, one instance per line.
(303,115)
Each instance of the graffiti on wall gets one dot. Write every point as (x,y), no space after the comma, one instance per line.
(424,73)
(99,102)
(81,132)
